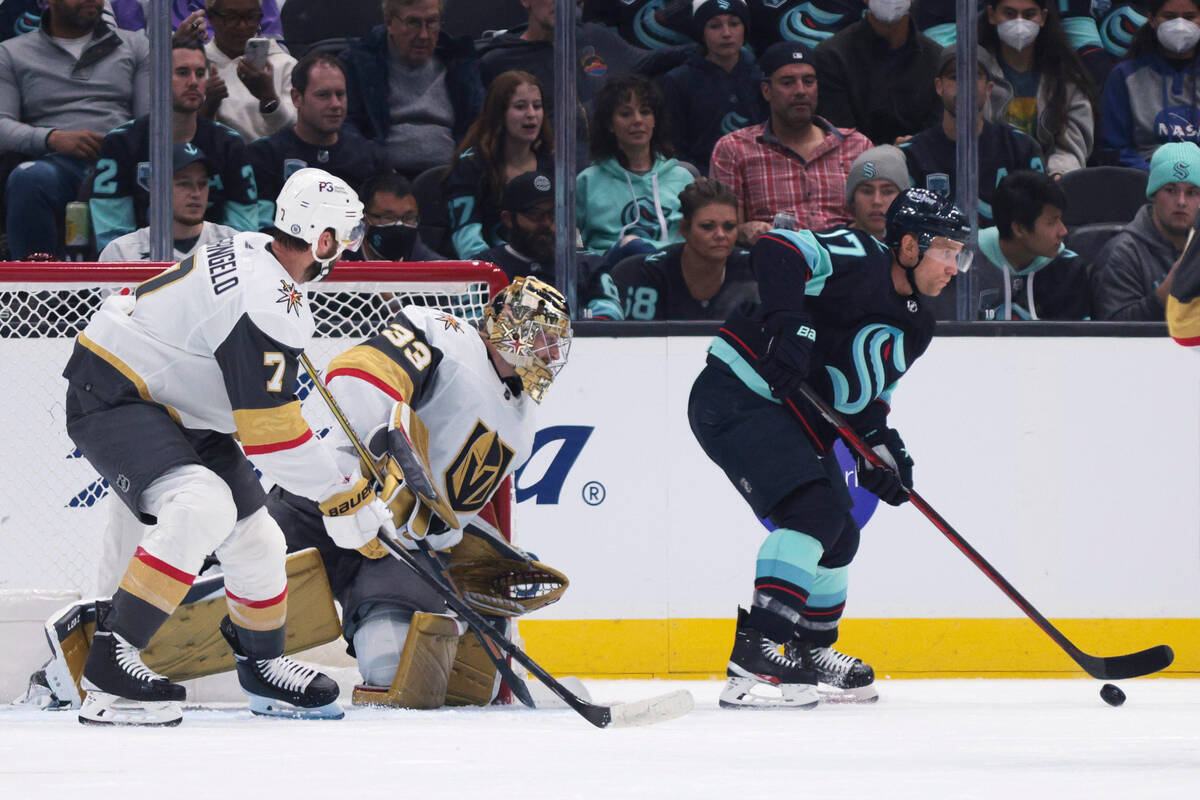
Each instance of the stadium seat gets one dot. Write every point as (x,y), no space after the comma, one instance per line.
(473,17)
(1089,240)
(307,22)
(690,167)
(435,219)
(1103,194)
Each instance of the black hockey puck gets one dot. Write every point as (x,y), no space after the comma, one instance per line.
(1112,695)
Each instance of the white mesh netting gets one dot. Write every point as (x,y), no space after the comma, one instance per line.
(52,503)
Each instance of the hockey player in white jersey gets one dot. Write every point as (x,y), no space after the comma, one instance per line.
(467,398)
(160,384)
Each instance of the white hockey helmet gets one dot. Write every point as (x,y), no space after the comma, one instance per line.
(313,201)
(529,324)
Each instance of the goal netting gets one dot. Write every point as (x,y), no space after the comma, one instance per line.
(52,503)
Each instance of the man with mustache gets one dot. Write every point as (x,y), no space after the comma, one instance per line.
(795,162)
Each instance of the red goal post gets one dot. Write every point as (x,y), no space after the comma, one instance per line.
(52,503)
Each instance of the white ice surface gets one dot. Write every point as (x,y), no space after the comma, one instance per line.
(1017,740)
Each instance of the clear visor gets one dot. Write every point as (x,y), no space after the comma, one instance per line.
(948,251)
(353,240)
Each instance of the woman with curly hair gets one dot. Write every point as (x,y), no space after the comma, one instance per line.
(1043,88)
(511,136)
(629,196)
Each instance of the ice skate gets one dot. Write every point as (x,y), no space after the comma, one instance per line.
(757,663)
(840,678)
(281,687)
(121,690)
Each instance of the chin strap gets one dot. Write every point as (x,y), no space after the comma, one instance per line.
(326,264)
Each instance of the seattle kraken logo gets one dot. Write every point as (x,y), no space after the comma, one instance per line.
(874,347)
(808,24)
(641,218)
(733,121)
(1180,171)
(651,33)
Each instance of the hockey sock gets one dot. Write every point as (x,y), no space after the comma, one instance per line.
(819,620)
(148,594)
(784,577)
(259,624)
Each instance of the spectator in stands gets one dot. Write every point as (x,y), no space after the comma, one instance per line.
(703,277)
(932,154)
(1134,272)
(1152,97)
(1023,270)
(528,214)
(182,10)
(119,195)
(391,214)
(189,201)
(22,16)
(253,101)
(795,162)
(875,178)
(412,87)
(61,87)
(510,137)
(717,90)
(318,139)
(1041,87)
(628,200)
(877,75)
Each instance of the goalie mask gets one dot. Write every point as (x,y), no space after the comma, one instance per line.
(528,323)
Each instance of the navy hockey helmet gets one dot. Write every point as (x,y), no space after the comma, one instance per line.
(927,215)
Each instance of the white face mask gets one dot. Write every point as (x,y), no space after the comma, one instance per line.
(1178,35)
(889,11)
(1018,33)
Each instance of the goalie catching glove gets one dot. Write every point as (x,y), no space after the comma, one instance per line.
(890,485)
(354,518)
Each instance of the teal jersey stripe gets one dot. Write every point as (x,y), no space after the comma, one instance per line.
(746,374)
(816,256)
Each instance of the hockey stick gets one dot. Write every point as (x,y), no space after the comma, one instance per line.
(1111,668)
(518,687)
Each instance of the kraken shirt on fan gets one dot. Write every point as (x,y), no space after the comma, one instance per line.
(479,428)
(216,340)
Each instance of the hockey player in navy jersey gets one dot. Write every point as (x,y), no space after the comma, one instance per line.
(160,383)
(846,313)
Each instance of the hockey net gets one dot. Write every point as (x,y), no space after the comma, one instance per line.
(52,503)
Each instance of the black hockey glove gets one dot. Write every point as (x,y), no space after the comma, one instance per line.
(889,485)
(785,364)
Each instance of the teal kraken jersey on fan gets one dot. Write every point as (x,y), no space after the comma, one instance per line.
(867,334)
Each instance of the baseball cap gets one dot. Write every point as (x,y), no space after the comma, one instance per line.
(528,190)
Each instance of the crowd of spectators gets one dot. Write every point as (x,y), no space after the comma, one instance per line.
(701,124)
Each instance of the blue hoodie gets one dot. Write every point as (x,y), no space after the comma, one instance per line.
(1147,102)
(611,202)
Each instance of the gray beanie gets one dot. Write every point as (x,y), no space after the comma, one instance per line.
(884,162)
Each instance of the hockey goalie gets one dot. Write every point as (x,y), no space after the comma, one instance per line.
(433,395)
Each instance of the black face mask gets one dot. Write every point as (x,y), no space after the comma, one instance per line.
(392,242)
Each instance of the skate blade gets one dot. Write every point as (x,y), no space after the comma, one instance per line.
(652,710)
(270,707)
(740,693)
(101,708)
(861,694)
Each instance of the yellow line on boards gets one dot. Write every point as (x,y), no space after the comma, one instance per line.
(898,648)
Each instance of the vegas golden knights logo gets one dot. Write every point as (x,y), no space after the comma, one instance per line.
(473,475)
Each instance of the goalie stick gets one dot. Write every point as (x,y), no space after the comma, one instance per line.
(1111,668)
(518,687)
(619,715)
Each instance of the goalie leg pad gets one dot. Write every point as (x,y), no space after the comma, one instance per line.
(425,662)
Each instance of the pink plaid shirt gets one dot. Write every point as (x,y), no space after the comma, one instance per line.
(768,177)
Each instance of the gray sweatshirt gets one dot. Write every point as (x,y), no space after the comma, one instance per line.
(1129,269)
(43,87)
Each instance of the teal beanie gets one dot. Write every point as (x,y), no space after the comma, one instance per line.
(1174,162)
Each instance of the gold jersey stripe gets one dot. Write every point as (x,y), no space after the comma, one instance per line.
(258,427)
(378,365)
(128,372)
(1183,319)
(156,588)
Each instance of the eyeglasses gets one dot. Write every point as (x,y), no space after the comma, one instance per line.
(416,24)
(250,18)
(410,219)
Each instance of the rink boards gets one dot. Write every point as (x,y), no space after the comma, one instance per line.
(1071,464)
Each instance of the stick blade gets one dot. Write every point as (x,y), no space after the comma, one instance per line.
(1133,665)
(652,710)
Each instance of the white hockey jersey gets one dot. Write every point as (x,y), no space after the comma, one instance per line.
(480,430)
(216,339)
